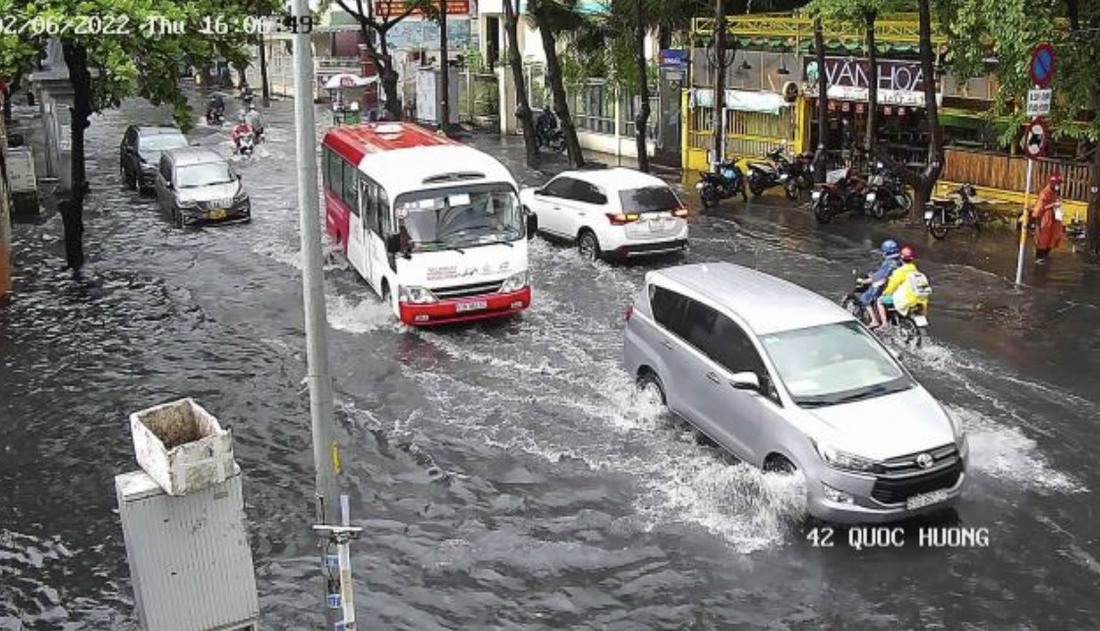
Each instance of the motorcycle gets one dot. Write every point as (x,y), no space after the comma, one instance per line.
(215,117)
(244,140)
(801,175)
(886,193)
(552,139)
(769,174)
(943,215)
(727,182)
(912,326)
(832,199)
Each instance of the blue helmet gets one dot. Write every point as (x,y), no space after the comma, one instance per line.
(890,247)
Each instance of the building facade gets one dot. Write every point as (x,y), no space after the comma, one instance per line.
(772,99)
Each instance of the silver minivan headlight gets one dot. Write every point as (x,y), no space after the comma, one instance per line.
(842,460)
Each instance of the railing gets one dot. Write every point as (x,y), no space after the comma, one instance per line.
(748,134)
(1008,173)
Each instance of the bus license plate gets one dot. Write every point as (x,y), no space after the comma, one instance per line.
(926,499)
(472,305)
(217,213)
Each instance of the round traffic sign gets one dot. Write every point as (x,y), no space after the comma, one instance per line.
(1036,138)
(1041,67)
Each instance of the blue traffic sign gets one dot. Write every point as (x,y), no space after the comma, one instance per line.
(1042,65)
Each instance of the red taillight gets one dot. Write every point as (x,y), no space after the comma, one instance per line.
(621,218)
(680,212)
(626,314)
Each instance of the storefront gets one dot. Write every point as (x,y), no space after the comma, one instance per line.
(902,128)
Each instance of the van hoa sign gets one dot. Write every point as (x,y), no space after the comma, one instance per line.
(899,82)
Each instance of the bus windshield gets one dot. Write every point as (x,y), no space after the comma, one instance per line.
(459,217)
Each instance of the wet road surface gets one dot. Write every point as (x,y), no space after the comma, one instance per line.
(505,473)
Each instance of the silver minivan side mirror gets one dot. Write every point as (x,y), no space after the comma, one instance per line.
(745,381)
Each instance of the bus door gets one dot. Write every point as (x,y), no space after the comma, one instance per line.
(358,253)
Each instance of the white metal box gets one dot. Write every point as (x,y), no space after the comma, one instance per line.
(182,446)
(190,561)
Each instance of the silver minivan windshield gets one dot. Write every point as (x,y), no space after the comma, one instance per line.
(834,363)
(204,174)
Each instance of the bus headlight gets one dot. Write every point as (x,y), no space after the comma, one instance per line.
(416,295)
(515,282)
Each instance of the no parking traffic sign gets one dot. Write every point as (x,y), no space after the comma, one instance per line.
(1041,67)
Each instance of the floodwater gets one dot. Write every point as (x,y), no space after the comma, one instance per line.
(505,474)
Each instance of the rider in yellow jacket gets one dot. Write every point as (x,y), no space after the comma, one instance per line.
(908,297)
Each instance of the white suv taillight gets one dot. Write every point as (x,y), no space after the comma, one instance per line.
(621,219)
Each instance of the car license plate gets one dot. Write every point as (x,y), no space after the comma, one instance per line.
(920,321)
(471,305)
(926,499)
(217,213)
(928,214)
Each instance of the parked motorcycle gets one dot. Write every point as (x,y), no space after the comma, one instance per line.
(768,174)
(801,171)
(943,215)
(727,182)
(886,194)
(911,326)
(832,199)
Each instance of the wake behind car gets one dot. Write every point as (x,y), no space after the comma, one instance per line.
(140,150)
(786,380)
(198,186)
(610,213)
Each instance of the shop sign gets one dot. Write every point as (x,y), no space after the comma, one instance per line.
(899,82)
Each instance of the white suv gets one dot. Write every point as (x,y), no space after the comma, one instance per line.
(610,213)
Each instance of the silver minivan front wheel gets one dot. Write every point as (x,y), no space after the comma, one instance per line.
(650,388)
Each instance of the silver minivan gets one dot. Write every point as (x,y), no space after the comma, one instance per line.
(786,380)
(196,185)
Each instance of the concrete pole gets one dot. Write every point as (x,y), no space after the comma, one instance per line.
(444,69)
(313,291)
(719,83)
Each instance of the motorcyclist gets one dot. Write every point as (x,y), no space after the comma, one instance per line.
(215,104)
(239,130)
(252,117)
(907,287)
(890,253)
(246,92)
(546,124)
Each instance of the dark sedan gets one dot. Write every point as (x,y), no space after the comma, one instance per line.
(139,152)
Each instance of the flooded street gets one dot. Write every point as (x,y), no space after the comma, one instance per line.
(505,474)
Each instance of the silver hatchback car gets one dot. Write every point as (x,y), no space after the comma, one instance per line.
(786,380)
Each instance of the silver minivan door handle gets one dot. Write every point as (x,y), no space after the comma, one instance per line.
(667,344)
(713,377)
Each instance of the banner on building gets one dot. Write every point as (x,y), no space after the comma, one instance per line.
(394,8)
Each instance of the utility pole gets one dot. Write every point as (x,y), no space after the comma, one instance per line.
(444,71)
(719,82)
(265,91)
(325,455)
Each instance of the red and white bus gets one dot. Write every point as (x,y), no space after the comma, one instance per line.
(434,226)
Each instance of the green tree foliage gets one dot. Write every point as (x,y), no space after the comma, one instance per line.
(113,53)
(554,18)
(997,38)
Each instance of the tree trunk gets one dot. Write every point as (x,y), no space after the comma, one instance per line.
(822,103)
(719,123)
(641,119)
(72,210)
(935,133)
(444,68)
(265,89)
(872,85)
(1093,214)
(557,88)
(515,61)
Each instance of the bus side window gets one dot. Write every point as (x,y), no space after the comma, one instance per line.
(326,165)
(351,192)
(370,219)
(386,213)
